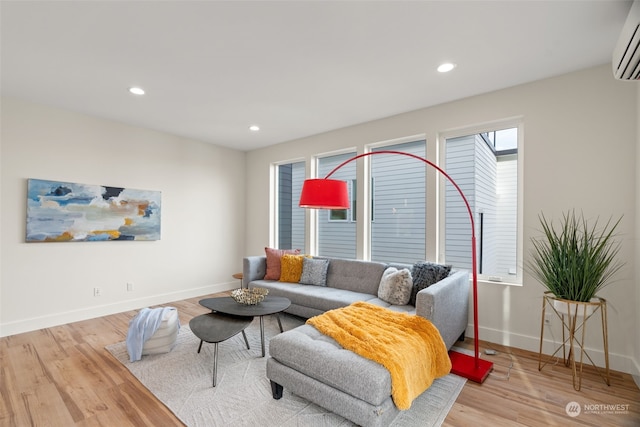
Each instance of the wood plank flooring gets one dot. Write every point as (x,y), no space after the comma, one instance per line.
(63,376)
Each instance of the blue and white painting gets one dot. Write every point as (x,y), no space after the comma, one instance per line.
(68,212)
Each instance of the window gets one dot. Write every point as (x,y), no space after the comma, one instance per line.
(339,215)
(399,219)
(346,214)
(485,166)
(337,238)
(291,232)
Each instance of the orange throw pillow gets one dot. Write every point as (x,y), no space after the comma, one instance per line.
(291,268)
(273,261)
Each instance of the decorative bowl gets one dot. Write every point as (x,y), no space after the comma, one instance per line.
(251,296)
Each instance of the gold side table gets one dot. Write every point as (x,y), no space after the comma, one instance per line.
(574,316)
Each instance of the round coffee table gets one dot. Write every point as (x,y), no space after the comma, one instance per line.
(215,328)
(270,305)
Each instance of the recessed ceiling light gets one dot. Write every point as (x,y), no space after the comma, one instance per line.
(254,128)
(136,90)
(446,67)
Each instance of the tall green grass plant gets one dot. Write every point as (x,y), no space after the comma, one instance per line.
(575,260)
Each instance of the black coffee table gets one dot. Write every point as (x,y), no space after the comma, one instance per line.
(215,328)
(270,305)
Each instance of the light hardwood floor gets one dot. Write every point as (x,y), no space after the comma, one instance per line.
(63,376)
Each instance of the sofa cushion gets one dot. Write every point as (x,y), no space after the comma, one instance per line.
(426,274)
(322,298)
(395,286)
(409,309)
(273,261)
(291,268)
(355,275)
(314,271)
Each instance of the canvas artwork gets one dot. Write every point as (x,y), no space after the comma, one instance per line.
(68,212)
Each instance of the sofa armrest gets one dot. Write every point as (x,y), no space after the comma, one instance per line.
(446,305)
(253,268)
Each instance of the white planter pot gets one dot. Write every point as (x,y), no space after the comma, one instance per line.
(580,309)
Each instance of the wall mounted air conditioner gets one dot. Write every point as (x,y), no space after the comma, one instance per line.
(626,55)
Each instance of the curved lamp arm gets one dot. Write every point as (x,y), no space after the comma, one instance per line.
(328,193)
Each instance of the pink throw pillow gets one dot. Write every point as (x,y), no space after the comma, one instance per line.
(273,261)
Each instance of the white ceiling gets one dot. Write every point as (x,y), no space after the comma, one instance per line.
(295,68)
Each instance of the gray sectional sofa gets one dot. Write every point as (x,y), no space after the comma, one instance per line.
(317,368)
(445,303)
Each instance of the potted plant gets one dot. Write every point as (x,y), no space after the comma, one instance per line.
(575,260)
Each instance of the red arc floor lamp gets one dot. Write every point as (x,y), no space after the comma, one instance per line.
(325,193)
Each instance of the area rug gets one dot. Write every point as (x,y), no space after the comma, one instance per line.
(182,380)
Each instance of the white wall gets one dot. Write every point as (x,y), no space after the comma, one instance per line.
(579,152)
(44,284)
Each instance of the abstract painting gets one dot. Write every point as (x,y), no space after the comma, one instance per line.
(67,212)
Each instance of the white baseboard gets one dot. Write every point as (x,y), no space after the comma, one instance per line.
(35,323)
(618,362)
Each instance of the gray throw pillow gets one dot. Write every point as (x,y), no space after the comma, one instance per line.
(314,271)
(395,286)
(426,274)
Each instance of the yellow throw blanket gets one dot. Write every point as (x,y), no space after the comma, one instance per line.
(409,346)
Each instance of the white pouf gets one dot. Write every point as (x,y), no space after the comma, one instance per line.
(165,337)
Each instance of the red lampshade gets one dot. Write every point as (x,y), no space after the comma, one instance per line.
(324,194)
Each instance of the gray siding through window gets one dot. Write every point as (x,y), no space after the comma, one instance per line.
(398,226)
(460,158)
(297,216)
(487,178)
(290,217)
(337,238)
(490,185)
(284,205)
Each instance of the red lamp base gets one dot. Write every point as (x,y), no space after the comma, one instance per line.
(465,366)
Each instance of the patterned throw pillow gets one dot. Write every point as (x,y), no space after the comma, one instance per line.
(395,286)
(291,268)
(426,274)
(314,271)
(273,261)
